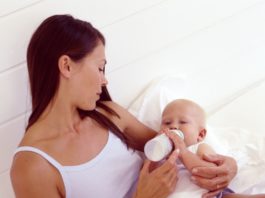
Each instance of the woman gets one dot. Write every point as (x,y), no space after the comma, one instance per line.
(78,143)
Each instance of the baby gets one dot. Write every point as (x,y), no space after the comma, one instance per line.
(190,118)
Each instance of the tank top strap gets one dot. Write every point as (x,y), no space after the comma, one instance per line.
(52,161)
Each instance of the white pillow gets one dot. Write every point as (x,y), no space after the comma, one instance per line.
(149,105)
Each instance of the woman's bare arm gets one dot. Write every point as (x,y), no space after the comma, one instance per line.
(132,127)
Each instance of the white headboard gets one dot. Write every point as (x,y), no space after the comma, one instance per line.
(218,45)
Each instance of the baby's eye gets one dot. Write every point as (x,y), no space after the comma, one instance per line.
(167,123)
(183,122)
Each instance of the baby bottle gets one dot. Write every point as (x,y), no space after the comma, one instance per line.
(160,146)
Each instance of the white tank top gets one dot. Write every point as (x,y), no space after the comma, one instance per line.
(113,173)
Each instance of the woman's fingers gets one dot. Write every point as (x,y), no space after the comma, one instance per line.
(169,163)
(146,165)
(167,173)
(168,180)
(174,156)
(211,194)
(213,177)
(159,181)
(172,179)
(217,159)
(216,183)
(209,172)
(225,165)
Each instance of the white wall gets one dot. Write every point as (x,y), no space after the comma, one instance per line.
(213,42)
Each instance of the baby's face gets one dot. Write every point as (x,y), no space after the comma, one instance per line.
(186,117)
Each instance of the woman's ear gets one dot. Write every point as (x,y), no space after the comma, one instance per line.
(64,64)
(202,134)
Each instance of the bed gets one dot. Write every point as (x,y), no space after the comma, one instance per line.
(235,125)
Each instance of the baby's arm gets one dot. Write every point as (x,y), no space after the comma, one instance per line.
(188,158)
(192,160)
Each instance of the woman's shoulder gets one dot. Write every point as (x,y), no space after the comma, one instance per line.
(25,173)
(28,162)
(28,165)
(117,110)
(113,105)
(24,158)
(116,113)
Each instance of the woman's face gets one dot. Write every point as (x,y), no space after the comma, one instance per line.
(89,78)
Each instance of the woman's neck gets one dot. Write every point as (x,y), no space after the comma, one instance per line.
(61,116)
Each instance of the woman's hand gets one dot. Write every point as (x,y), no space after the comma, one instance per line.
(159,182)
(215,179)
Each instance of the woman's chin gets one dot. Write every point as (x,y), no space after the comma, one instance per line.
(88,107)
(92,107)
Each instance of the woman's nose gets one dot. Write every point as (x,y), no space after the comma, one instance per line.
(104,81)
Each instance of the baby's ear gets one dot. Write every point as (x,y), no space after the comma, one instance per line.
(202,134)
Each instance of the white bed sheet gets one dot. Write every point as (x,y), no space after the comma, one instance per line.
(244,138)
(237,129)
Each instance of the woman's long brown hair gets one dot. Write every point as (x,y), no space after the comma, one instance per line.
(56,36)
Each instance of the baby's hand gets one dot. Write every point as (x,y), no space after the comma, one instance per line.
(177,141)
(162,131)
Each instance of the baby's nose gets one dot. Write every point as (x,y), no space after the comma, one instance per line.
(173,128)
